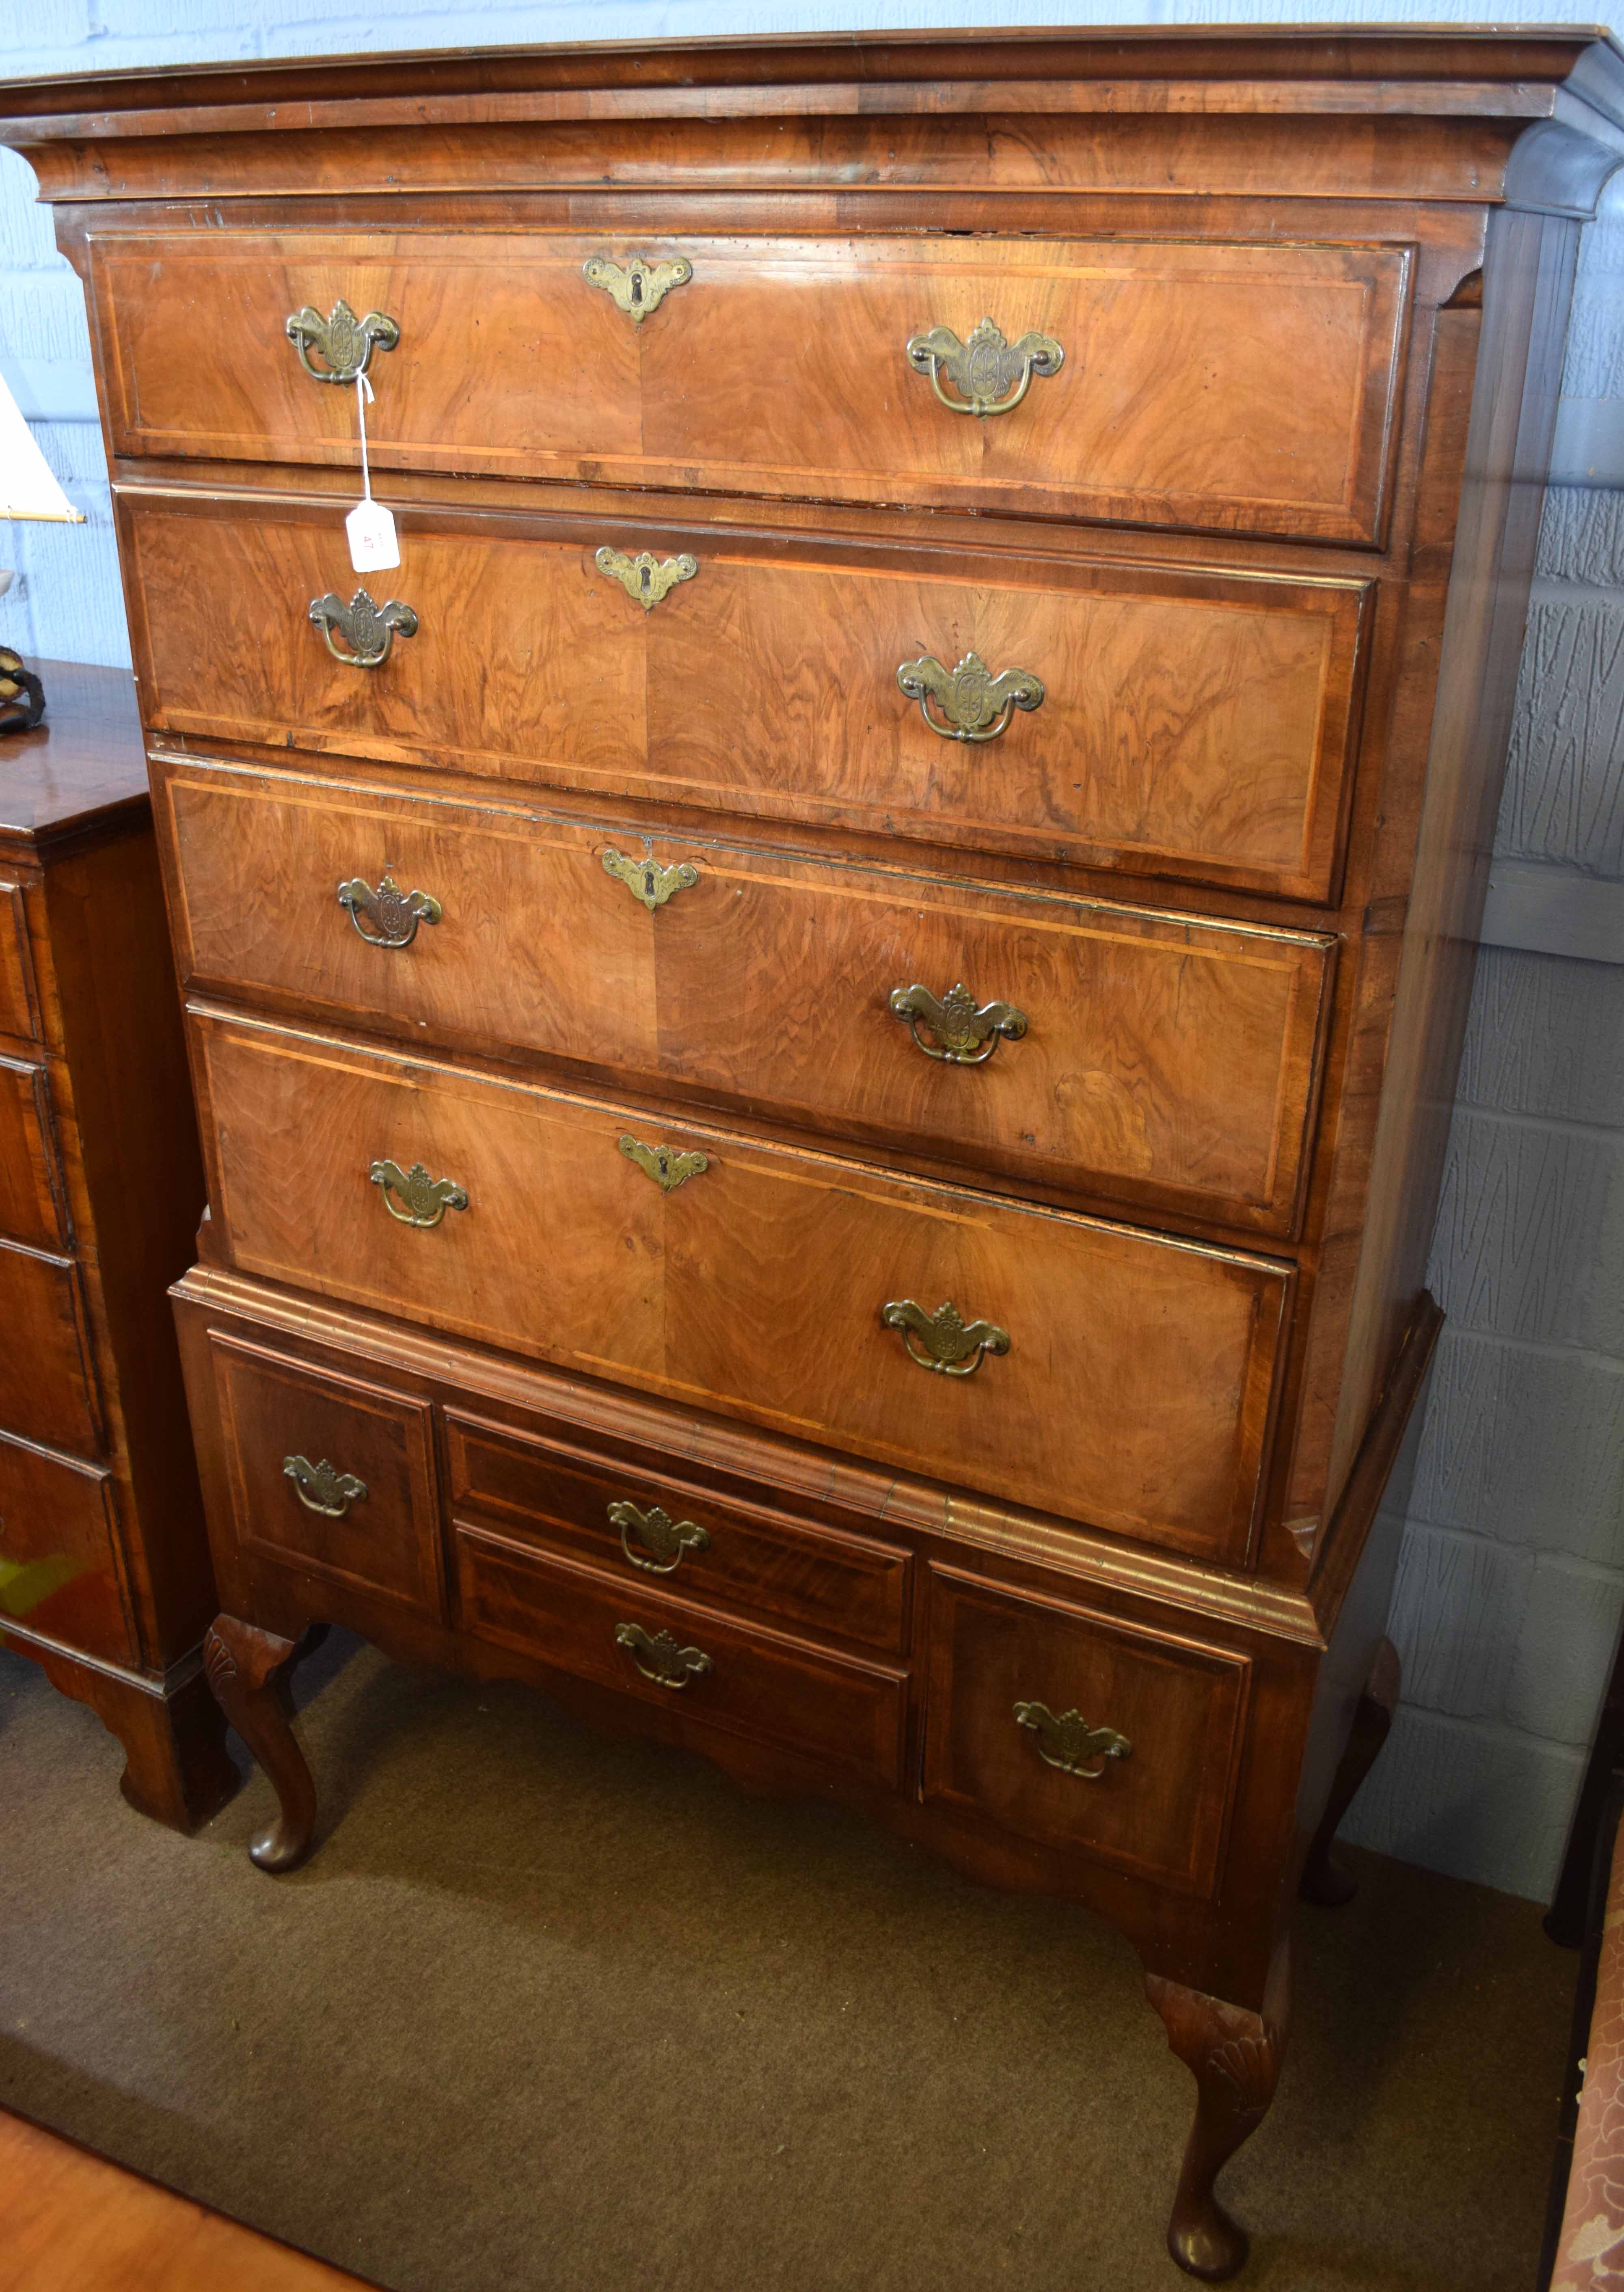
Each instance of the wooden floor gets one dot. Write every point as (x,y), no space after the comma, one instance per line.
(73,2223)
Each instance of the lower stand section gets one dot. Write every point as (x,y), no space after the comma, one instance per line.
(242,1663)
(1235,2058)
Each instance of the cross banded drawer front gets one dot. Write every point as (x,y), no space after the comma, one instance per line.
(49,1385)
(1162,1060)
(1135,1392)
(31,1204)
(1081,1730)
(1224,386)
(632,1637)
(57,1573)
(330,1475)
(18,1015)
(755,1556)
(1192,723)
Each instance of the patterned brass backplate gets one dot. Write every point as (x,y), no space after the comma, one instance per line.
(988,374)
(645,577)
(322,1488)
(393,914)
(423,1200)
(344,342)
(944,1340)
(368,629)
(660,1658)
(637,287)
(964,1032)
(647,881)
(971,703)
(663,1540)
(1069,1743)
(667,1165)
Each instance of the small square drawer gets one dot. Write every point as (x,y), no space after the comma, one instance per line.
(640,1522)
(58,1572)
(330,1476)
(31,1204)
(838,1710)
(1084,1731)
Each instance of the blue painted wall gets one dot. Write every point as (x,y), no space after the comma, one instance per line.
(1512,1580)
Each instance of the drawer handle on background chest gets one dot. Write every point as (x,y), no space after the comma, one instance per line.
(368,629)
(952,1345)
(989,374)
(322,1487)
(660,1658)
(647,881)
(395,914)
(645,577)
(966,1033)
(342,340)
(425,1200)
(977,704)
(636,286)
(664,1540)
(1069,1743)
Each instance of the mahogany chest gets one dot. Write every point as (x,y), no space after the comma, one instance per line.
(825,1024)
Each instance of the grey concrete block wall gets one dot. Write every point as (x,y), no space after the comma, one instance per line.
(1512,1578)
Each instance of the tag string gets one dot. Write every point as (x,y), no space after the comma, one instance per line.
(363,392)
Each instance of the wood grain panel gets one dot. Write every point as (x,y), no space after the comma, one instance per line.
(1167,1061)
(32,1208)
(760,1683)
(1229,386)
(1194,723)
(58,1574)
(49,1390)
(19,1013)
(1163,1811)
(756,1557)
(1136,1394)
(388,1541)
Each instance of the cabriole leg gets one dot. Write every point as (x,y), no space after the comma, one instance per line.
(1324,1883)
(242,1663)
(1235,2058)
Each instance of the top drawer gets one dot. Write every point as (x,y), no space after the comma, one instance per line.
(1231,387)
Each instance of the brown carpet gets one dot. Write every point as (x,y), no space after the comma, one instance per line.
(552,2014)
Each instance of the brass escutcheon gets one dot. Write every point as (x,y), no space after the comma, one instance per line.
(660,1658)
(989,374)
(636,286)
(647,881)
(666,1164)
(1069,1743)
(976,705)
(322,1488)
(664,1539)
(966,1033)
(953,1346)
(395,914)
(368,629)
(645,577)
(342,340)
(425,1200)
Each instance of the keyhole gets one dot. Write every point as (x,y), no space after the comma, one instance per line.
(644,578)
(647,880)
(636,287)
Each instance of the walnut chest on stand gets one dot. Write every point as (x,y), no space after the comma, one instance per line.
(826,1024)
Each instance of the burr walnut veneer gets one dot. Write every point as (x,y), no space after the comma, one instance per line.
(824,1028)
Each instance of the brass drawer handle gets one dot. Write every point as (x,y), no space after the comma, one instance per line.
(660,1658)
(664,1540)
(975,704)
(952,1345)
(342,340)
(425,1200)
(322,1488)
(667,1164)
(368,629)
(1069,1743)
(395,914)
(966,1033)
(647,881)
(989,374)
(645,577)
(637,287)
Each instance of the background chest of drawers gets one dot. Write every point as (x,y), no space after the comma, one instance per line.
(824,1030)
(104,1571)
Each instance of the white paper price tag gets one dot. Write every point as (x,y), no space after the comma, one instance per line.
(373,546)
